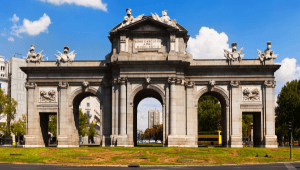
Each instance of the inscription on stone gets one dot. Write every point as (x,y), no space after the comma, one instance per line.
(147,43)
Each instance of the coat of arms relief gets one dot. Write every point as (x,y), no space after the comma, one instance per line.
(48,96)
(251,94)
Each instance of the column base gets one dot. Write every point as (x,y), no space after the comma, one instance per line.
(181,141)
(66,141)
(106,141)
(271,141)
(236,142)
(67,146)
(34,146)
(122,140)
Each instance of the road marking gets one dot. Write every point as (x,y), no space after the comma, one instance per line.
(289,166)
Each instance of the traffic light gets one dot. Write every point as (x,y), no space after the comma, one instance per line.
(218,122)
(290,125)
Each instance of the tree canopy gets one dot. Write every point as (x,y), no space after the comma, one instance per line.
(288,106)
(7,110)
(52,124)
(209,111)
(92,131)
(83,121)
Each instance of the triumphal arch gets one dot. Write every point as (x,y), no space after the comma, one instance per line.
(149,59)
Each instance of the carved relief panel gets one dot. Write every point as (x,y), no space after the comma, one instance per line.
(48,95)
(251,93)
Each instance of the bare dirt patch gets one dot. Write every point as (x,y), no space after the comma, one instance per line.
(138,153)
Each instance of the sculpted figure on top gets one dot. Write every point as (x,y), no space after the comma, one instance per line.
(267,54)
(34,57)
(165,19)
(65,57)
(128,19)
(234,55)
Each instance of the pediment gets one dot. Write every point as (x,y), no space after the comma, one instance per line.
(146,24)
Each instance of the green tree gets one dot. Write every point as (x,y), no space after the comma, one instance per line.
(209,111)
(288,105)
(247,120)
(19,127)
(8,110)
(83,121)
(52,124)
(92,131)
(142,137)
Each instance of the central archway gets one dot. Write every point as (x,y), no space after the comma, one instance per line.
(138,95)
(223,98)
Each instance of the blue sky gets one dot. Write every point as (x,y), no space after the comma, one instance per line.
(84,25)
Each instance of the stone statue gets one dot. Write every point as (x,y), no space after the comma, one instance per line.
(128,19)
(65,57)
(234,55)
(267,54)
(34,57)
(165,19)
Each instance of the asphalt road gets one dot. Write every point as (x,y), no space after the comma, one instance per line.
(282,166)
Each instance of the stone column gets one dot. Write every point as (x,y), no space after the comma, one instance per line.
(33,137)
(172,115)
(236,115)
(172,42)
(106,114)
(66,128)
(269,105)
(192,115)
(123,106)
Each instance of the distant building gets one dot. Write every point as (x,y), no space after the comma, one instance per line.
(3,82)
(91,106)
(154,118)
(16,83)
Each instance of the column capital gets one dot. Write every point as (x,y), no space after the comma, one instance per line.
(172,38)
(63,85)
(179,81)
(30,85)
(235,84)
(122,80)
(270,83)
(189,84)
(172,80)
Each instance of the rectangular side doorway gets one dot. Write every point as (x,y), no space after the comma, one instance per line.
(252,129)
(48,138)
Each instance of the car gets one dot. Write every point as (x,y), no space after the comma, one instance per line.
(158,141)
(152,141)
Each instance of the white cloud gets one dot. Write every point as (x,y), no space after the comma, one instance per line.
(209,44)
(142,115)
(32,28)
(3,34)
(15,18)
(11,39)
(95,4)
(288,71)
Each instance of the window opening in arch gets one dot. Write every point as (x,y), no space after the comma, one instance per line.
(149,122)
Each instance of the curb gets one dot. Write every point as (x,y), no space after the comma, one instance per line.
(151,165)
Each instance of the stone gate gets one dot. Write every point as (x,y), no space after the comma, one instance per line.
(149,59)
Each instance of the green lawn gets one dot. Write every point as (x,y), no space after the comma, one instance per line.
(155,155)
